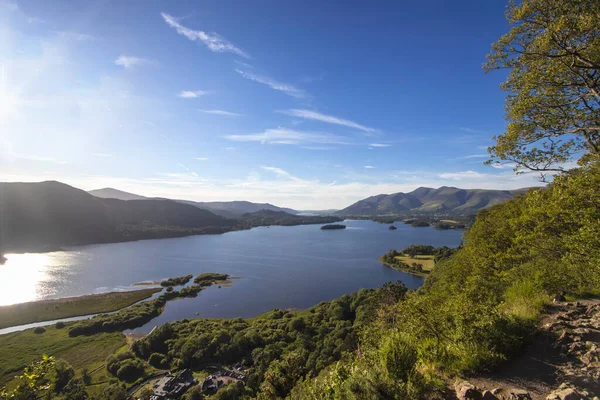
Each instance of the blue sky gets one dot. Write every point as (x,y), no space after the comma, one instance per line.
(309,104)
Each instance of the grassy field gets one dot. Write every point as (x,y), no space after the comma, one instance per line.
(21,348)
(46,310)
(427,261)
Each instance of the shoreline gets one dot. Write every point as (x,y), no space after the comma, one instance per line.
(70,307)
(421,274)
(65,247)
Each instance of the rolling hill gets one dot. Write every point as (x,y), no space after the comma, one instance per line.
(110,193)
(227,209)
(50,214)
(446,199)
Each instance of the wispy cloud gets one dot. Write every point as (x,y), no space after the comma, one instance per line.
(72,35)
(191,94)
(188,170)
(213,41)
(318,147)
(473,156)
(504,166)
(286,88)
(201,158)
(380,145)
(369,167)
(221,112)
(458,176)
(280,172)
(104,155)
(290,137)
(475,131)
(313,115)
(243,64)
(130,61)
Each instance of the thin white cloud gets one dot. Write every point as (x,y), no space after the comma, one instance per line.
(72,35)
(313,115)
(317,147)
(243,64)
(289,136)
(213,41)
(463,175)
(286,88)
(104,155)
(504,166)
(471,130)
(473,156)
(130,61)
(191,94)
(278,171)
(201,158)
(369,167)
(221,112)
(380,145)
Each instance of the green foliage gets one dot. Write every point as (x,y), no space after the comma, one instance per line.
(114,392)
(141,313)
(33,382)
(20,349)
(125,366)
(63,373)
(208,278)
(553,102)
(280,347)
(158,360)
(45,310)
(480,305)
(178,281)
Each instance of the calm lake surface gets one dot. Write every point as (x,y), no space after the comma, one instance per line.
(279,267)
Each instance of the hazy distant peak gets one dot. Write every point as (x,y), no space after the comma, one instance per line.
(110,193)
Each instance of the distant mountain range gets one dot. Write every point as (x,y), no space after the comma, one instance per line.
(445,200)
(47,215)
(228,209)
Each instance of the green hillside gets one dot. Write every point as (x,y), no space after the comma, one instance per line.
(449,200)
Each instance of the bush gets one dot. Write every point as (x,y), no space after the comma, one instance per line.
(39,330)
(130,370)
(158,360)
(125,366)
(59,325)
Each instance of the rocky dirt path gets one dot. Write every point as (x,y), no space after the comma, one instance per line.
(562,363)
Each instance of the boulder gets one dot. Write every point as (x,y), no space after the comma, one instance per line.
(564,394)
(488,395)
(466,391)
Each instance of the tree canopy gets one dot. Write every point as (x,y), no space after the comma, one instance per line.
(553,105)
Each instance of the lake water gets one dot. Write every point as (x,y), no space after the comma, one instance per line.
(279,267)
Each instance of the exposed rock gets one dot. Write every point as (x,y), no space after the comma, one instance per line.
(488,395)
(466,391)
(564,394)
(519,394)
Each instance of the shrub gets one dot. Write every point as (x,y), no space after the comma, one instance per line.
(158,360)
(39,330)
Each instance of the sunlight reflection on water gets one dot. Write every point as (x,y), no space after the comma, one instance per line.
(23,277)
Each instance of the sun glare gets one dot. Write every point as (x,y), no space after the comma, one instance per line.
(20,277)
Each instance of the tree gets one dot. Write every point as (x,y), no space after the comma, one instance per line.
(63,373)
(553,105)
(33,381)
(114,392)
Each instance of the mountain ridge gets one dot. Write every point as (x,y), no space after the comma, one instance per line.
(425,200)
(227,209)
